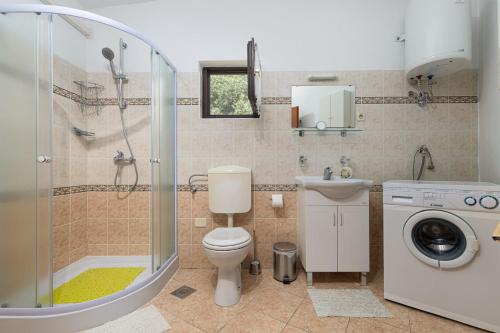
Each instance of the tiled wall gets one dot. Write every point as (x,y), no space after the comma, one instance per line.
(383,151)
(90,216)
(394,126)
(69,214)
(271,225)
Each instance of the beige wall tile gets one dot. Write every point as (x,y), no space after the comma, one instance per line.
(185,258)
(265,254)
(60,210)
(78,204)
(117,205)
(394,83)
(78,254)
(139,249)
(184,231)
(97,205)
(139,231)
(265,230)
(199,204)
(118,231)
(286,230)
(263,208)
(139,205)
(97,250)
(199,232)
(60,243)
(78,234)
(118,250)
(97,231)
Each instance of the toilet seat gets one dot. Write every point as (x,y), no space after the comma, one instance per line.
(227,239)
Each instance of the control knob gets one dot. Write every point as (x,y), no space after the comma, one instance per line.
(488,202)
(470,201)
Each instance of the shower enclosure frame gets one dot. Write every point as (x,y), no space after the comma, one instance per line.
(93,313)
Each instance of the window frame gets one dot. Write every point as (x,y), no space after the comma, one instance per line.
(205,97)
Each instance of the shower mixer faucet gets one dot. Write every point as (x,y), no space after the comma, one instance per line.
(120,158)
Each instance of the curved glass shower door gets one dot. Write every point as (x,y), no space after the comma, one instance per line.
(87,173)
(163,161)
(25,120)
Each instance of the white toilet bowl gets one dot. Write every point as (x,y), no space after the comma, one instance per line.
(226,248)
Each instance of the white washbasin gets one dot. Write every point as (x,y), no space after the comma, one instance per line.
(336,188)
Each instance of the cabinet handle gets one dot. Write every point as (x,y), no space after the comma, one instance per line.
(341,220)
(334,220)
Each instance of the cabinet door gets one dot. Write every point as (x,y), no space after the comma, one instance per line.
(321,238)
(353,239)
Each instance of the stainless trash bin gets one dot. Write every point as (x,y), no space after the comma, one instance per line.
(285,262)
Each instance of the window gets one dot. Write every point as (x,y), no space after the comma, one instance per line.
(225,93)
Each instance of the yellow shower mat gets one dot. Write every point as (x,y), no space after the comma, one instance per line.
(95,283)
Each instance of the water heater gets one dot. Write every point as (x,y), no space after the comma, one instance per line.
(438,37)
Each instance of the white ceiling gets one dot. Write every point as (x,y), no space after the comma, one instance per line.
(93,4)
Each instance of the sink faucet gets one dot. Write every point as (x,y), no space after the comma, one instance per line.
(327,173)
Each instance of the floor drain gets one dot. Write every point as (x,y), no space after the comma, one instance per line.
(183,292)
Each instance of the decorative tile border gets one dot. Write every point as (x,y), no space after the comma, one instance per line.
(188,101)
(394,100)
(68,94)
(262,188)
(56,191)
(276,100)
(265,100)
(274,187)
(384,100)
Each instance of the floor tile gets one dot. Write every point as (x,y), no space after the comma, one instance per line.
(365,325)
(267,305)
(291,329)
(305,318)
(401,317)
(178,325)
(423,322)
(278,304)
(253,321)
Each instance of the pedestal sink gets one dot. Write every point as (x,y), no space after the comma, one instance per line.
(336,188)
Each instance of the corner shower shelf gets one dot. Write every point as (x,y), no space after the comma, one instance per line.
(343,131)
(90,93)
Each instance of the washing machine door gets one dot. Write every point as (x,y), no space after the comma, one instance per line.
(440,239)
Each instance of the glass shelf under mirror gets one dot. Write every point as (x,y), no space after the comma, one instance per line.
(330,130)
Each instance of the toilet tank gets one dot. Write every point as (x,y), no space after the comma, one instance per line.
(229,189)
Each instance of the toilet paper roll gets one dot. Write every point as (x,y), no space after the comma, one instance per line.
(277,200)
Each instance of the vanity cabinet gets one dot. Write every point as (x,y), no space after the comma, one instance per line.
(333,234)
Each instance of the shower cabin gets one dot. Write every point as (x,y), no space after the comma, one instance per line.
(87,173)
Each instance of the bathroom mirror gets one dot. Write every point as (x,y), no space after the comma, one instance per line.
(325,107)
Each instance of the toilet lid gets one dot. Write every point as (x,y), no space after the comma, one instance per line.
(226,237)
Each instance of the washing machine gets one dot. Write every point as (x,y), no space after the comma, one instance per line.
(439,255)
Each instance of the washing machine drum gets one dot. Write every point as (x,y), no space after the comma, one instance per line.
(440,239)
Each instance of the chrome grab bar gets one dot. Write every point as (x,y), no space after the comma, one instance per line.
(192,188)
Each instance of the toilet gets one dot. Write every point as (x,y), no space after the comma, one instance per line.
(229,192)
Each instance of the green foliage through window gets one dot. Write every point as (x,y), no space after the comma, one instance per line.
(229,95)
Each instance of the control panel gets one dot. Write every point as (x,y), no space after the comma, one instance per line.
(471,200)
(480,197)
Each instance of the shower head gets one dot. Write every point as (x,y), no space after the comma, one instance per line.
(108,53)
